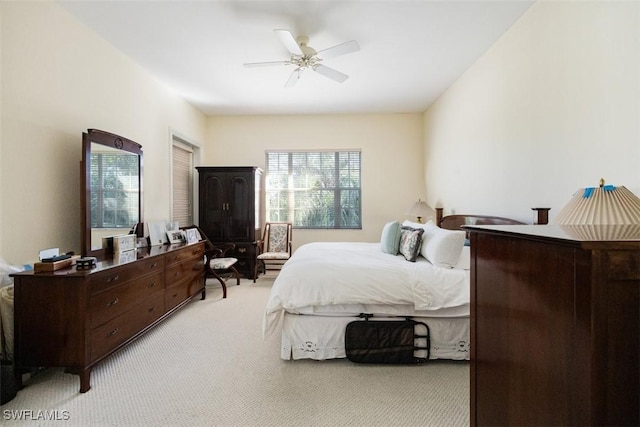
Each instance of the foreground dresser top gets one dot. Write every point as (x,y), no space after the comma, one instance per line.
(582,235)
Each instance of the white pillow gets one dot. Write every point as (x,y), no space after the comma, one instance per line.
(408,223)
(464,263)
(442,247)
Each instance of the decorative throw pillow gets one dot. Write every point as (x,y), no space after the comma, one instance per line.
(412,224)
(390,239)
(410,242)
(442,247)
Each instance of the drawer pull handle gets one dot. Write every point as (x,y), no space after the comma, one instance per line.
(242,250)
(152,309)
(151,285)
(175,295)
(113,279)
(112,333)
(177,273)
(114,302)
(155,264)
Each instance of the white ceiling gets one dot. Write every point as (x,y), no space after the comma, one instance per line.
(411,51)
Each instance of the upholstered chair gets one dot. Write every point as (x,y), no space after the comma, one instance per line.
(275,247)
(217,264)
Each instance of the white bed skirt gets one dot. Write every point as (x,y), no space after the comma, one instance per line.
(322,337)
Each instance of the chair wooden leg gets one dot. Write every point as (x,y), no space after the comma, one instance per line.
(224,285)
(259,263)
(255,270)
(235,272)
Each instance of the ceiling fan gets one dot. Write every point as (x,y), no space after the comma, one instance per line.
(305,57)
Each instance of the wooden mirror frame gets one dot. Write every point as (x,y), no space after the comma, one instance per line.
(116,142)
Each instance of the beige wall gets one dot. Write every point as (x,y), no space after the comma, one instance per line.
(553,106)
(59,79)
(391,146)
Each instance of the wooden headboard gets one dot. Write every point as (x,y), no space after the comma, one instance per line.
(454,222)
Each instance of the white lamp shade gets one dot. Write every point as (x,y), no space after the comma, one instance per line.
(605,205)
(421,209)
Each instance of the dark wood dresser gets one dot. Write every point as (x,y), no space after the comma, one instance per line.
(75,318)
(555,325)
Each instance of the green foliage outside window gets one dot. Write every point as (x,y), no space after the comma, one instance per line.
(314,189)
(114,190)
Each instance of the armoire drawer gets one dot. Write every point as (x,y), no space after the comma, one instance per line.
(115,276)
(114,301)
(113,333)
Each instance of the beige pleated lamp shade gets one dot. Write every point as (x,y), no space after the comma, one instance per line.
(421,211)
(604,205)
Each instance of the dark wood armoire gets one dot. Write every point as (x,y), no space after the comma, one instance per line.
(230,210)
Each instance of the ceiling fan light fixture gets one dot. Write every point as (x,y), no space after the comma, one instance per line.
(304,56)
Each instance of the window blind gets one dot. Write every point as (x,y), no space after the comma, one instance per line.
(182,185)
(314,189)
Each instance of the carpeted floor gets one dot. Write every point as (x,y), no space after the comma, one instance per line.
(208,365)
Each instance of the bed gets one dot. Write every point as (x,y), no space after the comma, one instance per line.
(326,285)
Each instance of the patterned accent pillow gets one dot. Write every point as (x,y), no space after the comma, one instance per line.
(410,242)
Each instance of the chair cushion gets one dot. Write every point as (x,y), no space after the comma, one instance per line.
(274,255)
(222,263)
(278,238)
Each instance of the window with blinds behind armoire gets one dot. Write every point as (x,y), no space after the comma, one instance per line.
(182,209)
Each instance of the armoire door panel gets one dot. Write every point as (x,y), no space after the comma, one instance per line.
(212,213)
(240,208)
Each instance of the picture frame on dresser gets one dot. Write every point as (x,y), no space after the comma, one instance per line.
(175,236)
(192,235)
(157,233)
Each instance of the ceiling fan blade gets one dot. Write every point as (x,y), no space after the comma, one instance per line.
(266,64)
(289,41)
(330,72)
(341,49)
(293,78)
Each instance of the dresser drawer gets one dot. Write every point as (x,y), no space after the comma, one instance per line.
(191,251)
(113,333)
(623,265)
(174,295)
(116,300)
(183,271)
(116,276)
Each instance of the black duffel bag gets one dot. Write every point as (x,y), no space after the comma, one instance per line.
(387,341)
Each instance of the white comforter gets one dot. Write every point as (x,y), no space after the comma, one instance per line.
(337,273)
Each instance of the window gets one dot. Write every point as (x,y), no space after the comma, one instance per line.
(314,189)
(182,183)
(114,190)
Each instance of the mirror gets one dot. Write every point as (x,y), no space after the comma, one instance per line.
(112,189)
